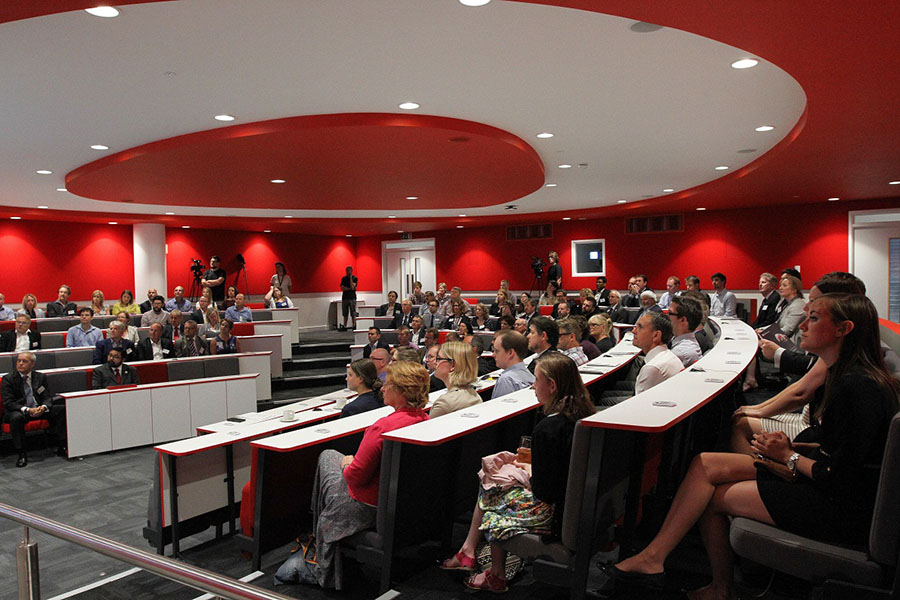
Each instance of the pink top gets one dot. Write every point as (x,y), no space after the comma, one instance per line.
(363,473)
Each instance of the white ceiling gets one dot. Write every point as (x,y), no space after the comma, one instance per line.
(644,111)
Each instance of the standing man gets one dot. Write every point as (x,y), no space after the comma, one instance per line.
(84,334)
(601,294)
(771,298)
(147,305)
(214,279)
(26,398)
(722,302)
(554,271)
(672,290)
(543,334)
(61,307)
(510,349)
(6,313)
(348,297)
(239,313)
(179,302)
(113,372)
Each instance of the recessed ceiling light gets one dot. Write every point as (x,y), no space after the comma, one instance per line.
(621,201)
(700,208)
(42,206)
(545,135)
(408,106)
(349,235)
(392,216)
(833,199)
(224,118)
(567,218)
(893,182)
(668,190)
(462,215)
(474,2)
(288,216)
(459,226)
(16,218)
(170,213)
(764,128)
(276,181)
(107,12)
(267,231)
(113,222)
(412,197)
(564,166)
(400,231)
(721,168)
(582,218)
(61,190)
(99,147)
(550,185)
(744,63)
(185,226)
(44,172)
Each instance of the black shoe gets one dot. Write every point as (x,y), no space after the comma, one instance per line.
(611,576)
(62,452)
(23,461)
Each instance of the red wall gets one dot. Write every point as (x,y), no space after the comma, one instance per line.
(38,256)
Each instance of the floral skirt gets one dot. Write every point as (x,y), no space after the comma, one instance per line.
(512,511)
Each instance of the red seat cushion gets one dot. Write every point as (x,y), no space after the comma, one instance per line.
(248,499)
(546,309)
(29,426)
(153,372)
(251,305)
(242,329)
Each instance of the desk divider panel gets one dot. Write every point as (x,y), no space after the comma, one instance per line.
(282,328)
(220,366)
(258,363)
(171,413)
(189,369)
(206,403)
(88,423)
(240,397)
(130,413)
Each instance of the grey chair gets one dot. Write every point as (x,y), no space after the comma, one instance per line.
(52,340)
(843,572)
(191,369)
(221,366)
(75,358)
(7,363)
(68,381)
(44,360)
(261,314)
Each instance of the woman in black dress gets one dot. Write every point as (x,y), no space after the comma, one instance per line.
(833,495)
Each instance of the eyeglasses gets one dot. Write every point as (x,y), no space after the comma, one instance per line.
(674,314)
(438,359)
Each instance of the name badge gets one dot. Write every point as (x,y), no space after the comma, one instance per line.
(41,389)
(128,351)
(165,350)
(71,312)
(34,344)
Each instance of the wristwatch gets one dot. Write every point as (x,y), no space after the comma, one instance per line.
(792,463)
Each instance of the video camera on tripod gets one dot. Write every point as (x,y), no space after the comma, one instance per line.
(197,269)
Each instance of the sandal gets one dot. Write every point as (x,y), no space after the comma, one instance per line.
(464,563)
(489,583)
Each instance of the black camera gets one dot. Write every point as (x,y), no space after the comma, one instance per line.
(197,268)
(537,265)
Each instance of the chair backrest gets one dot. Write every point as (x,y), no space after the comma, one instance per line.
(179,371)
(44,360)
(7,363)
(53,339)
(221,366)
(68,381)
(575,485)
(74,358)
(884,536)
(262,314)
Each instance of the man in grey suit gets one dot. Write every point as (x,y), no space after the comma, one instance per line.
(191,344)
(114,372)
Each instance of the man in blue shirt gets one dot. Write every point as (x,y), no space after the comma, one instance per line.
(510,348)
(84,334)
(239,313)
(6,313)
(179,302)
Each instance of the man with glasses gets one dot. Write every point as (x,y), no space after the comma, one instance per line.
(21,338)
(569,341)
(685,314)
(432,317)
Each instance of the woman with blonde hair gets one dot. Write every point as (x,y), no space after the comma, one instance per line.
(456,366)
(599,328)
(97,304)
(30,307)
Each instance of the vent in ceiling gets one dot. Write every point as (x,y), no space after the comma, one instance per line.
(529,232)
(657,224)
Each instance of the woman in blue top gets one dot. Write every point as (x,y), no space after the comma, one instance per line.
(225,343)
(362,378)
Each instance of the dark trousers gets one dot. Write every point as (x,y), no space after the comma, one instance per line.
(56,417)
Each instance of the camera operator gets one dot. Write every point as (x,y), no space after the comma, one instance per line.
(554,273)
(214,279)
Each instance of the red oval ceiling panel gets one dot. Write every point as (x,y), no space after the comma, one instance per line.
(368,161)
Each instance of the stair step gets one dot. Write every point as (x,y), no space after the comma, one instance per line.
(320,347)
(316,362)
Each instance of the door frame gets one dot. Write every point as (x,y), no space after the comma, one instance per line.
(414,244)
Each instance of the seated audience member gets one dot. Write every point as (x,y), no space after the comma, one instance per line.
(600,328)
(275,298)
(224,342)
(213,323)
(97,303)
(486,364)
(452,336)
(113,372)
(722,302)
(601,293)
(441,295)
(156,314)
(648,304)
(404,338)
(506,322)
(116,340)
(178,301)
(345,493)
(231,293)
(362,378)
(568,342)
(702,333)
(502,298)
(685,314)
(531,310)
(459,316)
(543,334)
(503,512)
(464,331)
(520,303)
(280,279)
(417,332)
(429,296)
(6,313)
(391,308)
(633,297)
(790,315)
(432,335)
(510,349)
(417,296)
(589,308)
(768,308)
(206,293)
(521,325)
(405,354)
(405,316)
(191,343)
(431,317)
(562,309)
(508,310)
(26,397)
(548,298)
(61,307)
(125,304)
(375,342)
(617,311)
(455,365)
(672,290)
(381,359)
(30,307)
(455,295)
(155,346)
(482,320)
(652,333)
(200,314)
(832,493)
(692,283)
(575,306)
(147,304)
(131,332)
(239,313)
(175,329)
(791,271)
(22,338)
(84,334)
(589,347)
(430,356)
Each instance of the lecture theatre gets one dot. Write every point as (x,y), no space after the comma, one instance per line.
(317,170)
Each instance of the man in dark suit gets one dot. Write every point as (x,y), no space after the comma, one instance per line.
(156,346)
(391,308)
(617,311)
(601,294)
(191,344)
(113,372)
(405,316)
(61,307)
(374,342)
(115,340)
(21,338)
(26,398)
(148,305)
(767,310)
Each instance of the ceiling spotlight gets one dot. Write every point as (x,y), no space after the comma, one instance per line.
(621,201)
(408,106)
(700,208)
(833,199)
(668,190)
(462,215)
(744,63)
(412,197)
(99,147)
(400,231)
(567,218)
(288,216)
(61,190)
(893,182)
(42,206)
(16,218)
(276,181)
(764,128)
(459,226)
(44,172)
(392,216)
(224,118)
(185,226)
(550,185)
(565,166)
(170,213)
(267,231)
(107,12)
(113,222)
(545,135)
(349,235)
(721,168)
(474,2)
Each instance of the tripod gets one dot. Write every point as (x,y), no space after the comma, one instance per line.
(537,281)
(196,289)
(237,277)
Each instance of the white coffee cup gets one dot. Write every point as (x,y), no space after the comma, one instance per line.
(289,415)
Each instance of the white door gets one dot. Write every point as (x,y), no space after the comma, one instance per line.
(407,262)
(872,232)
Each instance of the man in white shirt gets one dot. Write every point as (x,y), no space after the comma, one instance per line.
(510,348)
(672,290)
(6,313)
(568,342)
(651,334)
(155,346)
(85,333)
(722,302)
(22,338)
(685,314)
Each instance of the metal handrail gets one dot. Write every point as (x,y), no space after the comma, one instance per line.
(195,577)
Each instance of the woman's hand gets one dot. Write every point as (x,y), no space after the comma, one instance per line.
(524,466)
(345,462)
(747,411)
(776,446)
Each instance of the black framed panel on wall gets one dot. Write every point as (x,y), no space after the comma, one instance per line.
(588,258)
